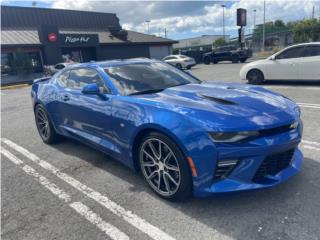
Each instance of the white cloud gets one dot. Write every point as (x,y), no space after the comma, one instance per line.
(197,18)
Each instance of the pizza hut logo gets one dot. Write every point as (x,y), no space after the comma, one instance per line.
(52,37)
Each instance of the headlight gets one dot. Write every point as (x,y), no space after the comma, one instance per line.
(225,137)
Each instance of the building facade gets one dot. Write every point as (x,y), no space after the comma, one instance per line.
(202,43)
(49,36)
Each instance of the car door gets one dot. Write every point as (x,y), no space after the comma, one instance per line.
(87,116)
(172,60)
(309,65)
(285,65)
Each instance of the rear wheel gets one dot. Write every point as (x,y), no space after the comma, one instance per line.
(44,126)
(243,60)
(164,167)
(207,60)
(179,66)
(235,59)
(255,76)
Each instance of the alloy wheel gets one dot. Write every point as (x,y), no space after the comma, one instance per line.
(43,123)
(160,166)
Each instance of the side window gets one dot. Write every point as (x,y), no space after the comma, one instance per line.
(62,79)
(295,52)
(80,77)
(312,51)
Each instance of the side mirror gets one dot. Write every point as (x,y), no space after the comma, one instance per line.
(93,89)
(273,58)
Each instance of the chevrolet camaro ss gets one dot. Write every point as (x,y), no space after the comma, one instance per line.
(186,136)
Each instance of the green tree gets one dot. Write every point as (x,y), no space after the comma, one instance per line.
(307,30)
(219,42)
(279,23)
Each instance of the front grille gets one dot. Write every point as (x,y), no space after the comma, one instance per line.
(273,164)
(276,130)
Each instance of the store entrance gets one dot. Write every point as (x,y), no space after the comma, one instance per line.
(86,54)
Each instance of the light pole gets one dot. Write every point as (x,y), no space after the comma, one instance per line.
(148,22)
(264,24)
(254,18)
(223,6)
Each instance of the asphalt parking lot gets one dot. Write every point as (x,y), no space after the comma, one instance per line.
(69,191)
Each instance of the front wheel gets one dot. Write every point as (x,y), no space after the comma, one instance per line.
(207,60)
(44,126)
(164,167)
(179,66)
(255,76)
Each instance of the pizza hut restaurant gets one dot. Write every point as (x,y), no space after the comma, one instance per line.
(49,36)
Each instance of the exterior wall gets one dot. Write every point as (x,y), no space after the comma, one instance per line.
(159,52)
(197,42)
(107,52)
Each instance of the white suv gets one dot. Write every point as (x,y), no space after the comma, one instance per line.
(180,61)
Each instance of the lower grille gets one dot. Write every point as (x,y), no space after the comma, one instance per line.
(224,167)
(273,164)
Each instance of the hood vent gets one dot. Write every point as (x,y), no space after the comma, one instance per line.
(218,100)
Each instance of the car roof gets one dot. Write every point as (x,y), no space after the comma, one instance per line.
(111,63)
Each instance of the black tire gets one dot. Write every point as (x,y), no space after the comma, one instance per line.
(43,121)
(179,192)
(243,60)
(235,59)
(207,60)
(179,66)
(255,76)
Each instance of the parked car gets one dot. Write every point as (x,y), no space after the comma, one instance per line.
(185,136)
(52,69)
(297,62)
(227,53)
(180,61)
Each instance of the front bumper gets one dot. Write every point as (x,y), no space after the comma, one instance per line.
(250,159)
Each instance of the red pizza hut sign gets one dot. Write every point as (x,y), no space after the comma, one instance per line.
(52,37)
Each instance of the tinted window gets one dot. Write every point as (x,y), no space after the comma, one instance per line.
(311,51)
(63,78)
(138,77)
(169,58)
(182,56)
(294,52)
(78,78)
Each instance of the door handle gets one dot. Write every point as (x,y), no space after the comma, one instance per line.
(66,98)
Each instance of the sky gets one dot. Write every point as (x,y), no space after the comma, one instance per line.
(185,19)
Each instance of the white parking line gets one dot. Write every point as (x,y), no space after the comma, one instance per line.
(128,216)
(310,147)
(41,179)
(83,210)
(92,217)
(311,142)
(309,105)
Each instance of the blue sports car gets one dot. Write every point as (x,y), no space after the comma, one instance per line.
(186,137)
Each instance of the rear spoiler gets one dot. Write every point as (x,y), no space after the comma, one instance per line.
(43,79)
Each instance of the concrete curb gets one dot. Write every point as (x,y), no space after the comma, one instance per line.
(14,86)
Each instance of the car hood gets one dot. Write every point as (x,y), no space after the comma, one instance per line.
(227,106)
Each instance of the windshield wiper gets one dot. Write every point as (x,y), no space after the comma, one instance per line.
(147,91)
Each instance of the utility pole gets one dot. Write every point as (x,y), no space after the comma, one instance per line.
(254,18)
(165,32)
(313,12)
(264,25)
(223,6)
(148,22)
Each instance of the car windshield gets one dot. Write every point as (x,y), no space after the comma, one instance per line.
(141,78)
